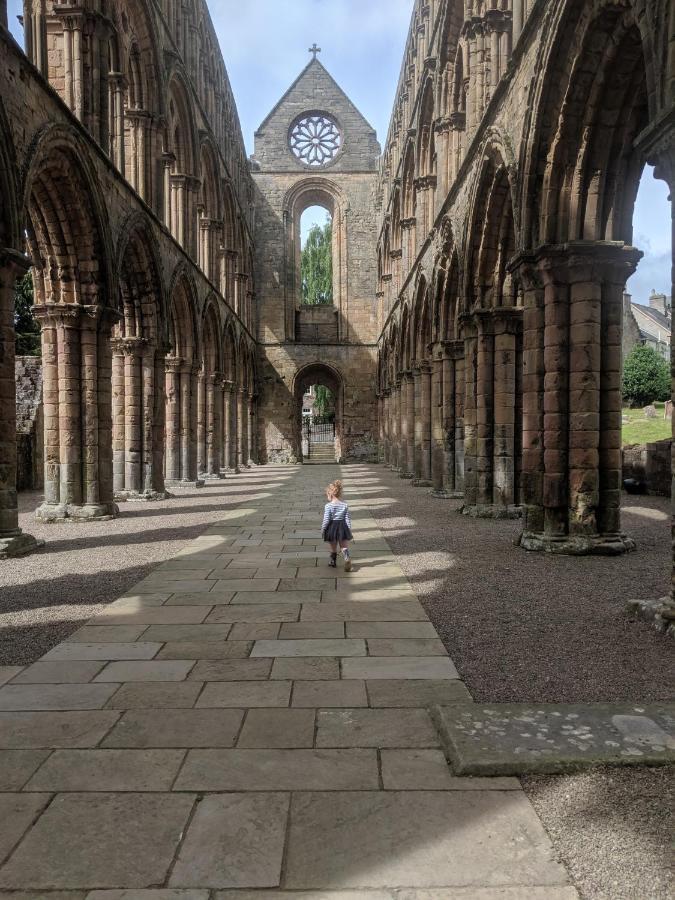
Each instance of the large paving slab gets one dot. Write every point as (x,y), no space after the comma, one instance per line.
(248,723)
(517,738)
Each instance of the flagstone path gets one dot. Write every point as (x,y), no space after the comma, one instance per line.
(247,719)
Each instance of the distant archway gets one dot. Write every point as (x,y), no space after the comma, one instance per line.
(317,374)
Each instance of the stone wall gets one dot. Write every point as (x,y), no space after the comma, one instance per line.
(29,423)
(304,345)
(649,464)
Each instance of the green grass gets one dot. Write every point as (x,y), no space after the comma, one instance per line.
(639,430)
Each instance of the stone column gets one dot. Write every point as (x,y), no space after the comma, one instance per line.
(230,426)
(507,425)
(438,433)
(470,331)
(78,422)
(396,414)
(424,479)
(452,425)
(416,462)
(409,471)
(13,542)
(252,430)
(137,373)
(386,396)
(575,506)
(242,429)
(211,418)
(460,393)
(201,422)
(172,379)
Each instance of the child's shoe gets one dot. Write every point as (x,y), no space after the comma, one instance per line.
(332,562)
(348,560)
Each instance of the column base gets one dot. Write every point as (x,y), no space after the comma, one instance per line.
(211,476)
(18,544)
(447,495)
(422,482)
(183,484)
(659,613)
(142,496)
(578,545)
(491,511)
(70,512)
(406,475)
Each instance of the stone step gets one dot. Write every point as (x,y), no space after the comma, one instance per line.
(522,738)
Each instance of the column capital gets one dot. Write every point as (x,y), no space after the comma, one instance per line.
(129,346)
(578,261)
(453,349)
(174,364)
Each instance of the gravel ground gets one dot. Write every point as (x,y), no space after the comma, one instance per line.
(48,595)
(533,627)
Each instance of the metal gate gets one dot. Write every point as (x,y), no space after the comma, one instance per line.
(318,430)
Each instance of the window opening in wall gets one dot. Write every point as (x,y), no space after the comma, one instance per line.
(316,257)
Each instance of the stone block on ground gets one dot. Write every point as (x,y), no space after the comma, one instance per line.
(519,738)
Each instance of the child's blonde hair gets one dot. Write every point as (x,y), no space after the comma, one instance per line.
(334,490)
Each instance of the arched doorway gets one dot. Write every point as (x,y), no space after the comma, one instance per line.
(318,401)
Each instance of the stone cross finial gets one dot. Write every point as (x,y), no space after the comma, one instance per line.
(315,49)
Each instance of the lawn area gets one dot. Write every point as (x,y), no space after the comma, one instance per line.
(639,430)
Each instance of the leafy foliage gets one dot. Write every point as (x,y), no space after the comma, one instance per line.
(324,404)
(316,266)
(646,377)
(25,325)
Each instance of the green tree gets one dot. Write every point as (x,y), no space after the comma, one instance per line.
(316,266)
(323,401)
(27,329)
(646,377)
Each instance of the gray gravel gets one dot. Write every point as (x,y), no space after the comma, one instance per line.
(532,627)
(48,595)
(612,828)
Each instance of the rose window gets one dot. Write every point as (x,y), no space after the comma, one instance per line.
(315,140)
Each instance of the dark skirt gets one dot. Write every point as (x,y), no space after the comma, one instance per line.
(336,532)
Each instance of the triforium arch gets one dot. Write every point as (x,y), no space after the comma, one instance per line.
(324,193)
(180,156)
(318,373)
(182,371)
(74,302)
(492,325)
(582,172)
(138,375)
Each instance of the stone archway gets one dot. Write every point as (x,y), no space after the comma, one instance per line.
(326,376)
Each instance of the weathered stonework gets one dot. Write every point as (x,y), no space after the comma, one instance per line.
(335,345)
(505,232)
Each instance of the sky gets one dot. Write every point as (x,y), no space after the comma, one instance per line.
(265,46)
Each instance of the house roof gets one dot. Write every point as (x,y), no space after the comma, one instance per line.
(661,323)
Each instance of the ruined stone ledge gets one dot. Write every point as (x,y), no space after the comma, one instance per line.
(578,545)
(71,512)
(491,511)
(659,613)
(141,496)
(18,544)
(447,495)
(183,484)
(543,738)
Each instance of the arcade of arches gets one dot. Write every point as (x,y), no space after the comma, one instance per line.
(479,259)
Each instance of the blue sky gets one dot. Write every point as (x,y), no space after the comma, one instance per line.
(264,44)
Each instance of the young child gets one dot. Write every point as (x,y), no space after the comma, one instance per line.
(337,525)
